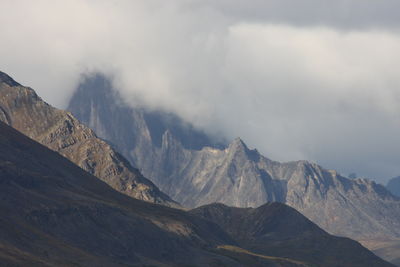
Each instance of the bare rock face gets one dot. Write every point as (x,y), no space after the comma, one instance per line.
(24,110)
(234,174)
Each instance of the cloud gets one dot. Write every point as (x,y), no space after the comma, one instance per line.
(344,14)
(315,81)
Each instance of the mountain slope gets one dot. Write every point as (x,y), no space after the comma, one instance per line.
(237,176)
(24,110)
(55,214)
(276,228)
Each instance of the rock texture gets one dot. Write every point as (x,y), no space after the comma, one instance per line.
(394,186)
(23,109)
(236,175)
(53,213)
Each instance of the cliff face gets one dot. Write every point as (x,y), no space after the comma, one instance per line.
(24,110)
(237,176)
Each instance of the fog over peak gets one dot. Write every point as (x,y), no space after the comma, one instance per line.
(317,80)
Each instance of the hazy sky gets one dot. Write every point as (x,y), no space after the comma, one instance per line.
(310,79)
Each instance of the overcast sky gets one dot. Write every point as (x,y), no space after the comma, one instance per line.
(310,79)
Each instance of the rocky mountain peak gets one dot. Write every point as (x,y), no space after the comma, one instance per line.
(238,148)
(5,78)
(238,144)
(95,83)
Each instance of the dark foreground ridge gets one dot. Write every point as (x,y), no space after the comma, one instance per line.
(277,229)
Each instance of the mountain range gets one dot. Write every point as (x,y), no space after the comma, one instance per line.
(195,171)
(55,212)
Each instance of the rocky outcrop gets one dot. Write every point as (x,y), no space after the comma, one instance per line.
(236,175)
(52,213)
(24,110)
